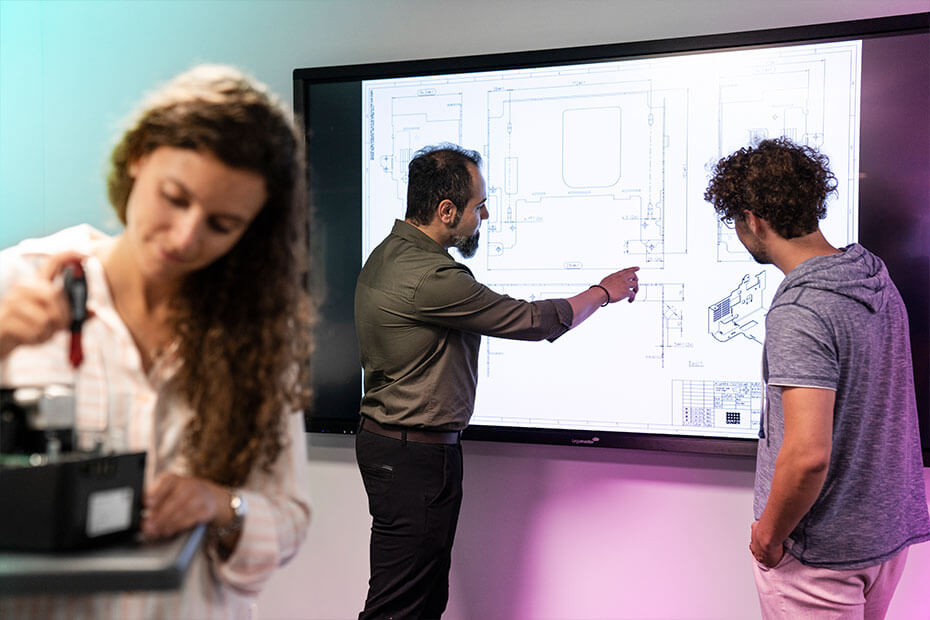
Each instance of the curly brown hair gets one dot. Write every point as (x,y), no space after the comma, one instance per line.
(243,322)
(784,183)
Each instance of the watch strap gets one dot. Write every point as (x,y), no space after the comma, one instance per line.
(240,509)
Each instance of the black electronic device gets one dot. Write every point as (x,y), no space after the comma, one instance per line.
(78,501)
(596,158)
(56,498)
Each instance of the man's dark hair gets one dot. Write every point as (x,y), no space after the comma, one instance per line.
(784,183)
(437,173)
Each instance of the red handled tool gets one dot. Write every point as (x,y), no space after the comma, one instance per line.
(76,290)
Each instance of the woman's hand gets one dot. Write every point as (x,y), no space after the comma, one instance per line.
(33,311)
(176,503)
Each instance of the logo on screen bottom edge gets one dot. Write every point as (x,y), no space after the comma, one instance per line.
(586,442)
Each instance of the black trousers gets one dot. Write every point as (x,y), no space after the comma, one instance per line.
(414,496)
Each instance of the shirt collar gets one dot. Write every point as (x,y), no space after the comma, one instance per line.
(414,235)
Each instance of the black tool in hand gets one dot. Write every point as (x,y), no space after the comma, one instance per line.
(76,290)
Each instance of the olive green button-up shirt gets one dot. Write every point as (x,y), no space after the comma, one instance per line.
(419,316)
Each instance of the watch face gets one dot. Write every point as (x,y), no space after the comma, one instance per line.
(238,505)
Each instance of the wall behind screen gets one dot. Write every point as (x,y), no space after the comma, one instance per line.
(546,532)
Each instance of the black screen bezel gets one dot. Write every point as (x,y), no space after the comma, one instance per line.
(335,343)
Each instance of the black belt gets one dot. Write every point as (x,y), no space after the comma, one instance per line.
(410,434)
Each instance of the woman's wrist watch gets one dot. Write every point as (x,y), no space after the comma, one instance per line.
(239,509)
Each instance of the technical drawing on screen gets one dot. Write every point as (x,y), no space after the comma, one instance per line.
(595,167)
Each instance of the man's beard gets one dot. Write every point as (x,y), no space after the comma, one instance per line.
(754,247)
(467,246)
(760,256)
(759,253)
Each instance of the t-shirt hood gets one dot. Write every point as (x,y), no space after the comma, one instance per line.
(854,272)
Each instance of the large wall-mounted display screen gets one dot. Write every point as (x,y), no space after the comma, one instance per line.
(597,159)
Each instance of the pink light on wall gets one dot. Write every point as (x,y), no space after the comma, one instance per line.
(610,545)
(602,538)
(558,533)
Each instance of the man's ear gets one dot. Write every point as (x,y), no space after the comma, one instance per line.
(446,212)
(756,224)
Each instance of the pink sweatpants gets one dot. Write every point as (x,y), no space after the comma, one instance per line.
(793,591)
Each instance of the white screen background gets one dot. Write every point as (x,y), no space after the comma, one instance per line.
(595,167)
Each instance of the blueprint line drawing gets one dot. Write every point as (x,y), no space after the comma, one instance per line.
(717,404)
(740,313)
(578,148)
(594,167)
(670,297)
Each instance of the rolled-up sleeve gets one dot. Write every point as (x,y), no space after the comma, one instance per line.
(278,517)
(451,297)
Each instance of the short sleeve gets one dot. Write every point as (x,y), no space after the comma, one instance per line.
(800,348)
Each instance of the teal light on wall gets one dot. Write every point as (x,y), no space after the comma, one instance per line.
(72,72)
(22,131)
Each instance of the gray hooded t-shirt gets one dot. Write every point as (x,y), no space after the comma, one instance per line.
(838,322)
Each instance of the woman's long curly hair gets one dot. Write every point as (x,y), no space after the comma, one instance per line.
(243,322)
(784,183)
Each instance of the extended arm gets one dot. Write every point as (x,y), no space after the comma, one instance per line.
(452,297)
(800,469)
(623,284)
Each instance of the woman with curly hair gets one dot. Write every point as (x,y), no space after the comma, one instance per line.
(197,346)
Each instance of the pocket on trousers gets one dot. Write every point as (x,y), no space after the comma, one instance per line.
(785,558)
(377,478)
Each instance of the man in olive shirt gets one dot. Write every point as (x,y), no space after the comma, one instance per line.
(419,316)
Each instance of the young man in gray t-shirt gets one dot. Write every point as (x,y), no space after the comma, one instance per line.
(839,492)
